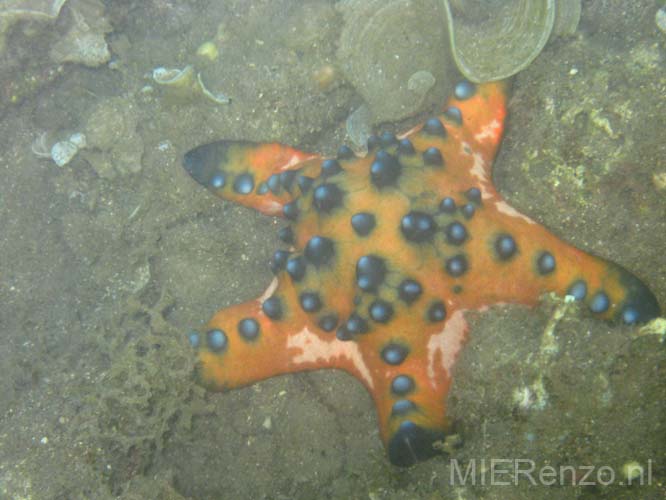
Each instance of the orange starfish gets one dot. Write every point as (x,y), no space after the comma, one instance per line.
(387,252)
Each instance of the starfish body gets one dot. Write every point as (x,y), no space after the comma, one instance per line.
(385,254)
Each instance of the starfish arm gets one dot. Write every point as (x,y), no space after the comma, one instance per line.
(260,176)
(268,336)
(250,342)
(473,121)
(412,364)
(507,256)
(483,115)
(513,259)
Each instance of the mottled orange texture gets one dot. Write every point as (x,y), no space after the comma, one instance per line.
(387,252)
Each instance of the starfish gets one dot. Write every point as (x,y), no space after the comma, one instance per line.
(386,254)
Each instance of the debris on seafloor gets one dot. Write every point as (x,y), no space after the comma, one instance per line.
(208,50)
(115,146)
(660,19)
(358,127)
(13,11)
(493,42)
(61,152)
(84,43)
(183,85)
(111,145)
(381,42)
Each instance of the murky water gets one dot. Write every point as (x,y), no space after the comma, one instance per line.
(109,260)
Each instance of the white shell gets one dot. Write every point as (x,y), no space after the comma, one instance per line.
(62,152)
(217,98)
(660,19)
(78,139)
(173,76)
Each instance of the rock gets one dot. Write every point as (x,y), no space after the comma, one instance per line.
(13,11)
(112,121)
(113,145)
(84,43)
(89,49)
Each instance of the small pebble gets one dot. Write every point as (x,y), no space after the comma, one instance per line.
(325,76)
(208,50)
(421,82)
(660,19)
(78,139)
(359,126)
(659,181)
